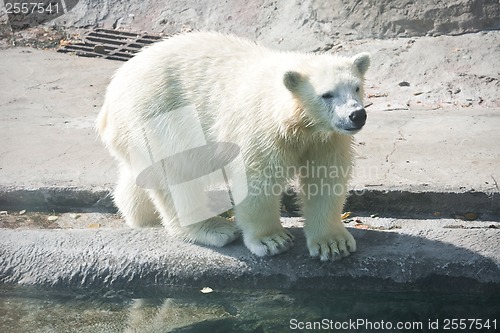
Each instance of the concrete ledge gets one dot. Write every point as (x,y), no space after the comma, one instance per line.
(61,199)
(386,201)
(427,202)
(417,259)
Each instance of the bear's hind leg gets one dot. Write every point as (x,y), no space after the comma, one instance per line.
(133,202)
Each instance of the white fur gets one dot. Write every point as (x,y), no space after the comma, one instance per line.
(268,103)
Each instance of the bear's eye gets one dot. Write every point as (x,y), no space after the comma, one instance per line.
(357,89)
(327,95)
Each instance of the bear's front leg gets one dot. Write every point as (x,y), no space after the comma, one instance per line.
(258,216)
(323,198)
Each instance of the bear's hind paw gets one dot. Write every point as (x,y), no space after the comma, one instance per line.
(216,231)
(270,245)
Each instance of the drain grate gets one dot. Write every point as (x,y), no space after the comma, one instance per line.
(110,44)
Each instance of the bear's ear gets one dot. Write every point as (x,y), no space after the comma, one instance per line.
(291,80)
(362,62)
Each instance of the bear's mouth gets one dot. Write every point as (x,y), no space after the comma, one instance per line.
(348,130)
(353,130)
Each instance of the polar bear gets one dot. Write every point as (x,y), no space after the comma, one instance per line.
(290,114)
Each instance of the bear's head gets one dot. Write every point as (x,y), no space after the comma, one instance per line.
(329,89)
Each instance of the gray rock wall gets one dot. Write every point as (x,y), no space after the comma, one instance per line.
(295,23)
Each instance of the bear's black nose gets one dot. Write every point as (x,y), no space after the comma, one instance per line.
(358,118)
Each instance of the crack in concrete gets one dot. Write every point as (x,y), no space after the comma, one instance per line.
(37,86)
(495,182)
(394,148)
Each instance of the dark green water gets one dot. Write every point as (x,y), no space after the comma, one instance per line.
(185,310)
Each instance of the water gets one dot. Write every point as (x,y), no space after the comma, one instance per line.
(186,310)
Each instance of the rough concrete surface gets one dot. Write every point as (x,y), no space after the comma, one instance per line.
(429,149)
(48,109)
(395,256)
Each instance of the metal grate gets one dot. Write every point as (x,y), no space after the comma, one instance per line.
(110,44)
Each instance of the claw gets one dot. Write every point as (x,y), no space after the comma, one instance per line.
(270,245)
(332,248)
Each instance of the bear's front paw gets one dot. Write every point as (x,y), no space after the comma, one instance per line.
(333,245)
(269,245)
